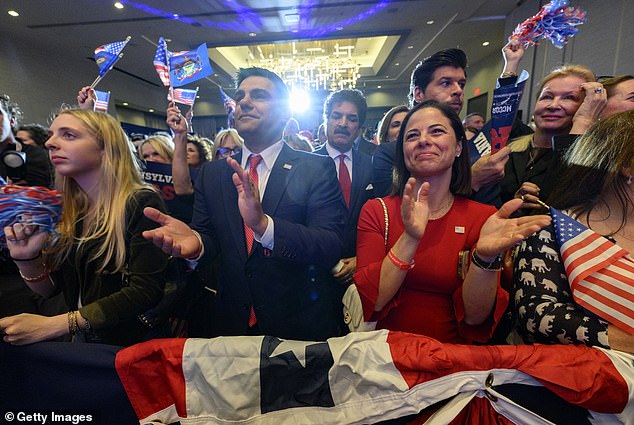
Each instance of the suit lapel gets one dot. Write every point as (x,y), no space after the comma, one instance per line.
(361,177)
(283,169)
(230,198)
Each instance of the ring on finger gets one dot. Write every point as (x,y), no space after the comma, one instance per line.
(598,90)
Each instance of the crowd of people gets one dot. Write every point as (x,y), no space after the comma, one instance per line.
(283,223)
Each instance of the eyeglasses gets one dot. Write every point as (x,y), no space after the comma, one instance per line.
(227,151)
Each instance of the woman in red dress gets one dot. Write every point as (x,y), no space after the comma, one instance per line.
(408,276)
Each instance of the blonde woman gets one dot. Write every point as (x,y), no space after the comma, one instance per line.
(569,101)
(157,148)
(106,271)
(227,143)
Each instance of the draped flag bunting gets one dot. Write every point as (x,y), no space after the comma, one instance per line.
(183,96)
(600,273)
(161,62)
(366,377)
(103,97)
(190,66)
(108,54)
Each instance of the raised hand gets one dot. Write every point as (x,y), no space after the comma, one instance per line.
(178,123)
(86,98)
(248,199)
(512,52)
(415,208)
(500,232)
(593,103)
(174,237)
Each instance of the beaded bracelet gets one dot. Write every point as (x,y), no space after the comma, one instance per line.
(492,266)
(72,322)
(400,263)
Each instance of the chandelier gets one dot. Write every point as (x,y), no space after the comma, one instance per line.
(323,65)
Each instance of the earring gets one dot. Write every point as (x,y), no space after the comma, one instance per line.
(629,180)
(458,154)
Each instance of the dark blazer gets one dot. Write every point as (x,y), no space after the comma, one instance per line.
(362,190)
(364,146)
(382,164)
(290,288)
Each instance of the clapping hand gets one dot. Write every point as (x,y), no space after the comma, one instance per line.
(500,232)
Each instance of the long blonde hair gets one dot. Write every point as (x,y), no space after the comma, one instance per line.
(106,217)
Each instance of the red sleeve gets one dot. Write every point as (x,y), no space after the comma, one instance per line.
(484,331)
(370,255)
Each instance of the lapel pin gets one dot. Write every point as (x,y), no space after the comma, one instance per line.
(369,187)
(287,166)
(459,229)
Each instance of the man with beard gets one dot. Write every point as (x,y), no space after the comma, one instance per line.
(273,217)
(344,114)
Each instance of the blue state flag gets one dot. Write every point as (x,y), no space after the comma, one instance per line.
(190,66)
(108,54)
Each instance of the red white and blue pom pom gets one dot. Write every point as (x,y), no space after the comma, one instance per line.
(556,22)
(37,206)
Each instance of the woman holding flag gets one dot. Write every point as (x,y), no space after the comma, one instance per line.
(108,273)
(573,286)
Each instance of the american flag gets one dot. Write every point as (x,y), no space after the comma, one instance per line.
(230,104)
(600,273)
(107,55)
(101,104)
(184,96)
(161,62)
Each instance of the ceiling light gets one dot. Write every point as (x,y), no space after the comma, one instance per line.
(198,97)
(125,103)
(252,34)
(292,18)
(175,15)
(339,28)
(118,5)
(410,47)
(486,43)
(13,13)
(397,64)
(430,22)
(378,87)
(150,110)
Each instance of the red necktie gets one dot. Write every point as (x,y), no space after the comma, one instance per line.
(254,160)
(344,179)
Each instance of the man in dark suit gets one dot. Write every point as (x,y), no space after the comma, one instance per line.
(275,250)
(344,114)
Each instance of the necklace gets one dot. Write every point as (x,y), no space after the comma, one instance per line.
(438,213)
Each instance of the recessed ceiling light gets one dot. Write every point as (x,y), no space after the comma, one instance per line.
(486,43)
(252,34)
(150,110)
(175,15)
(125,103)
(410,47)
(387,76)
(378,87)
(397,64)
(430,22)
(198,97)
(118,5)
(13,13)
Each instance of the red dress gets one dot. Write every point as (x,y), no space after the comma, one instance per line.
(429,301)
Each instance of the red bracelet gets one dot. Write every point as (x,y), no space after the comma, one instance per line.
(399,263)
